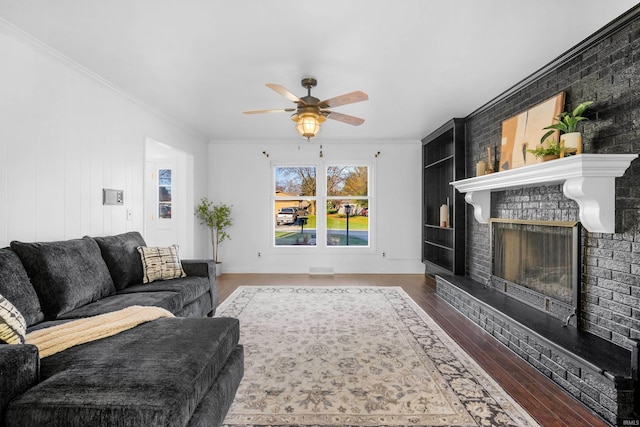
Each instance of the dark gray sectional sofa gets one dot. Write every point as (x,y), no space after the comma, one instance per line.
(176,371)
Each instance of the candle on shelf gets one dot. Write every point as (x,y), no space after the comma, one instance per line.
(489,161)
(444,216)
(481,168)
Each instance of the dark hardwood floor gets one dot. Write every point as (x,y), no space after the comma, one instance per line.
(545,401)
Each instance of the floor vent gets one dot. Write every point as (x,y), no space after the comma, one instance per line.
(320,270)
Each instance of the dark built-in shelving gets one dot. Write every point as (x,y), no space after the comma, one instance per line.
(443,162)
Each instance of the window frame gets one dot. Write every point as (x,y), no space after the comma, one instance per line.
(327,198)
(321,199)
(274,198)
(159,186)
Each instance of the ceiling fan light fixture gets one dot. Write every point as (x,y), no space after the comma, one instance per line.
(308,124)
(310,111)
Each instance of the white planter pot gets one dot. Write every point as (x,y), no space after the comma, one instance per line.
(572,140)
(218,268)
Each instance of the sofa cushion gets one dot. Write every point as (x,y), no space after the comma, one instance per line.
(19,371)
(199,308)
(190,287)
(66,274)
(16,287)
(160,263)
(216,404)
(47,324)
(168,300)
(12,325)
(121,255)
(155,374)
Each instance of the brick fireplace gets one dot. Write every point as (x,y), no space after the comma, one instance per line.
(534,297)
(603,68)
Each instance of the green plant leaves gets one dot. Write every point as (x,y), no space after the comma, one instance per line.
(581,109)
(568,122)
(218,219)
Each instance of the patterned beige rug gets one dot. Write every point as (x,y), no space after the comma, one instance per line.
(355,356)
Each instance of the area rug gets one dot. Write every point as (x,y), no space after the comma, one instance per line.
(355,356)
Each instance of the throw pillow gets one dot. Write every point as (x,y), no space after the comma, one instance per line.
(12,325)
(16,287)
(160,263)
(121,255)
(66,274)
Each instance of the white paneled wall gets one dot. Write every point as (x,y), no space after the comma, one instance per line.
(64,136)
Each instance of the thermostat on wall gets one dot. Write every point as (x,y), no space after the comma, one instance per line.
(112,197)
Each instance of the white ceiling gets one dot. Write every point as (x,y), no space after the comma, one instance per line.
(203,62)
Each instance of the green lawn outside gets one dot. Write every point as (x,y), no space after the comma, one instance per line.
(339,222)
(311,222)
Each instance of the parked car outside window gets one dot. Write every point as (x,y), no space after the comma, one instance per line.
(286,216)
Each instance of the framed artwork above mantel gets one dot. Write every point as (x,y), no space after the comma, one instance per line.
(523,131)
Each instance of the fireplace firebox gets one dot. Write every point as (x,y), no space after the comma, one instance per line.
(536,262)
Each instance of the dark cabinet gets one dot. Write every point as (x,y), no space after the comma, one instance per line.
(443,162)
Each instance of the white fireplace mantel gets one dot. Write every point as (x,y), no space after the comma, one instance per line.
(589,179)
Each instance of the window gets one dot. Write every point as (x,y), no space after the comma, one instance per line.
(331,210)
(164,193)
(347,199)
(295,206)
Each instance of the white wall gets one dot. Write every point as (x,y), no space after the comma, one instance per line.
(64,136)
(241,175)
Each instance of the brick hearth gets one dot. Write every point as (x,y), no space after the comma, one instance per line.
(595,371)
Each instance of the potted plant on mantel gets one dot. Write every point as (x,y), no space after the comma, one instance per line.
(218,219)
(553,150)
(568,127)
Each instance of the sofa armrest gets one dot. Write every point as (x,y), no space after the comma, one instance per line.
(19,371)
(199,267)
(204,268)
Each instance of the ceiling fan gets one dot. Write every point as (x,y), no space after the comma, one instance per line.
(310,111)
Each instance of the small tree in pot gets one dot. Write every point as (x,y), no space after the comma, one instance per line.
(218,219)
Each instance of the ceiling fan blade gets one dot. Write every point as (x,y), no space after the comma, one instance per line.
(282,110)
(285,92)
(347,98)
(344,118)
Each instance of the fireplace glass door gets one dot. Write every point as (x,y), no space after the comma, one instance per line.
(540,256)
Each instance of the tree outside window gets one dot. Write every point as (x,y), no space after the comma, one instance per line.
(347,219)
(295,206)
(345,199)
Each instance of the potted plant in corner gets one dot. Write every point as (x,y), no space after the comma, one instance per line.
(218,219)
(567,124)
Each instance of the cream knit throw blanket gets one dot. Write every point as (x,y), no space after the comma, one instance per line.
(60,337)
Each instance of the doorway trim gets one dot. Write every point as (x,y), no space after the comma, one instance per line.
(159,154)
